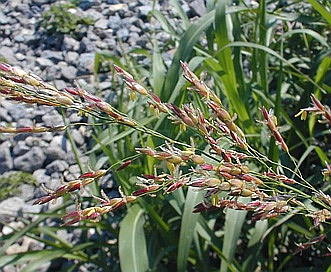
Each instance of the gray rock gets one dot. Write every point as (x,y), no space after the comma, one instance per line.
(74,169)
(117,8)
(41,176)
(60,84)
(30,161)
(59,141)
(64,234)
(92,36)
(86,4)
(185,7)
(54,56)
(12,226)
(86,63)
(42,2)
(69,44)
(77,137)
(29,209)
(24,122)
(3,19)
(4,116)
(86,45)
(108,35)
(198,7)
(20,56)
(101,45)
(71,58)
(33,140)
(111,43)
(6,162)
(21,137)
(69,72)
(23,8)
(54,153)
(101,23)
(8,54)
(133,38)
(144,10)
(81,31)
(84,160)
(6,42)
(11,206)
(56,167)
(112,2)
(20,111)
(94,14)
(47,138)
(27,192)
(43,62)
(20,148)
(114,22)
(52,72)
(74,117)
(6,104)
(18,38)
(54,42)
(31,40)
(123,34)
(52,118)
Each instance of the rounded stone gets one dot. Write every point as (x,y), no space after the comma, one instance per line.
(31,160)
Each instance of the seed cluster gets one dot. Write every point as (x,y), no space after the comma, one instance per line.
(227,169)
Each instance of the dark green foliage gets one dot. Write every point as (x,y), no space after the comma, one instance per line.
(9,184)
(59,19)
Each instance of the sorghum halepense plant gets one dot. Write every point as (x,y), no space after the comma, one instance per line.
(227,171)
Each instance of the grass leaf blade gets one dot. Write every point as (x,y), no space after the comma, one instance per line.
(132,241)
(189,221)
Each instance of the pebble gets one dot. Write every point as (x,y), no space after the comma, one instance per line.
(69,73)
(10,207)
(41,176)
(6,161)
(31,160)
(56,167)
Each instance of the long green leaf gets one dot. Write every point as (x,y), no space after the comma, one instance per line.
(12,238)
(234,221)
(297,73)
(322,155)
(184,51)
(34,259)
(164,22)
(224,58)
(132,241)
(187,230)
(107,140)
(209,235)
(322,10)
(158,70)
(178,7)
(254,246)
(310,32)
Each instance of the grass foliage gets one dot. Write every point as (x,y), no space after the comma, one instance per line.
(61,18)
(9,184)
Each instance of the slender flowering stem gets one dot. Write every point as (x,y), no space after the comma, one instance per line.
(226,168)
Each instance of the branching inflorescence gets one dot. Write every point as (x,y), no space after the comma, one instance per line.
(225,171)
